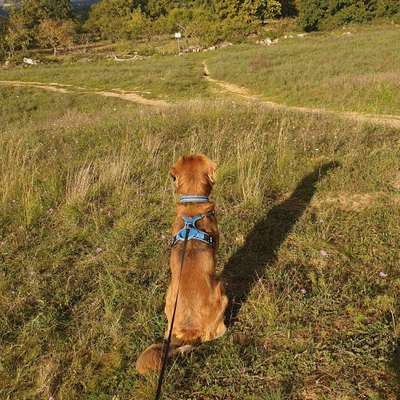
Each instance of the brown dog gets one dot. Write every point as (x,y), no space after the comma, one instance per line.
(202,301)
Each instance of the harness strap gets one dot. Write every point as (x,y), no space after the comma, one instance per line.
(194,232)
(167,344)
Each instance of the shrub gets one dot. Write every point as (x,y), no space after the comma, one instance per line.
(110,19)
(204,28)
(140,25)
(344,12)
(179,18)
(247,9)
(311,13)
(3,30)
(387,8)
(289,8)
(325,14)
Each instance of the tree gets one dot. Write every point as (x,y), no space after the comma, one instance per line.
(110,19)
(388,7)
(3,32)
(35,11)
(140,25)
(311,13)
(248,10)
(260,9)
(17,36)
(157,8)
(227,8)
(55,33)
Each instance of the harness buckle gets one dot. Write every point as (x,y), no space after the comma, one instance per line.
(194,232)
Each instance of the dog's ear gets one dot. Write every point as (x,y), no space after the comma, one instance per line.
(212,168)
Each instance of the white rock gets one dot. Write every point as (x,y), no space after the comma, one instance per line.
(29,61)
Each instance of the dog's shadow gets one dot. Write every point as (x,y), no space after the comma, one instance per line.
(249,263)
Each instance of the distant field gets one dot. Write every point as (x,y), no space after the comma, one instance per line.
(356,72)
(336,71)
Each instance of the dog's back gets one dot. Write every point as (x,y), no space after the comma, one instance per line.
(201,300)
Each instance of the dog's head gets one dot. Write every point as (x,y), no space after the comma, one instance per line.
(194,174)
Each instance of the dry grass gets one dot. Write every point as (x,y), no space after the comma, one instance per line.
(358,73)
(79,184)
(308,214)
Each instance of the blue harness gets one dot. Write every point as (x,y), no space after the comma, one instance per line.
(190,224)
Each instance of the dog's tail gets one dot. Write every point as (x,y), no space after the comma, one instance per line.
(150,360)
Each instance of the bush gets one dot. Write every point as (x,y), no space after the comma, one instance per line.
(387,8)
(110,19)
(179,18)
(311,13)
(204,28)
(325,14)
(289,8)
(3,30)
(140,25)
(341,13)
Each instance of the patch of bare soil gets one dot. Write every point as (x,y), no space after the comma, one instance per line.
(50,87)
(61,88)
(135,98)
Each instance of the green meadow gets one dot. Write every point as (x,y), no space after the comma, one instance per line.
(308,209)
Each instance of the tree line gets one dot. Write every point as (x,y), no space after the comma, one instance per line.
(53,24)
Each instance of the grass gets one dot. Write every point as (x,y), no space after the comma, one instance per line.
(85,218)
(334,71)
(357,72)
(308,209)
(169,77)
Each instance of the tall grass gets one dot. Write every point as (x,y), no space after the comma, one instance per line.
(85,218)
(356,72)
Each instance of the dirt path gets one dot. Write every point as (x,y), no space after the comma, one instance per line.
(65,88)
(383,119)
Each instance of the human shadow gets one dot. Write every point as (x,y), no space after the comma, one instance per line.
(249,263)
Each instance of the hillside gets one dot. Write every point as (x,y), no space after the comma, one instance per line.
(341,71)
(308,209)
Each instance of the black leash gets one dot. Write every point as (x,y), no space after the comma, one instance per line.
(168,343)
